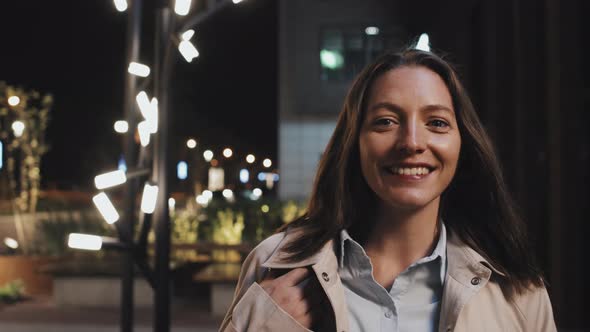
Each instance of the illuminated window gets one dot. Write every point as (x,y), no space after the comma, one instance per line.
(345,51)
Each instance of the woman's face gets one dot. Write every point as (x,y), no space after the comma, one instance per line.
(409,141)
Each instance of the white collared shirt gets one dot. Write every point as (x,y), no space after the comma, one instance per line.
(412,303)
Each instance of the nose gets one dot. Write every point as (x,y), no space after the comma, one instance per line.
(411,138)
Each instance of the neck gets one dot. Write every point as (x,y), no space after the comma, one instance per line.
(401,237)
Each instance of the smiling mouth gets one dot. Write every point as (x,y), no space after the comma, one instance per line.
(410,173)
(410,170)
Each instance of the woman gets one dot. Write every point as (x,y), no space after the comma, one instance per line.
(410,226)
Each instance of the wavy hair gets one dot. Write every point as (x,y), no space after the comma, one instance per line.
(476,206)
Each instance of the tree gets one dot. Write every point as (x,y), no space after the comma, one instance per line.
(24,116)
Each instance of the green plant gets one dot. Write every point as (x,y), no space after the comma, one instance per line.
(52,232)
(227,229)
(12,292)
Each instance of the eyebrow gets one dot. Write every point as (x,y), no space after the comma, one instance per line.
(396,108)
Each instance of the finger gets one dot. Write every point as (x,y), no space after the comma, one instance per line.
(300,308)
(294,276)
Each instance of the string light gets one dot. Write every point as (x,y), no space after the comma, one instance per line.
(84,241)
(182,7)
(149,198)
(106,208)
(110,179)
(121,5)
(121,126)
(13,100)
(138,69)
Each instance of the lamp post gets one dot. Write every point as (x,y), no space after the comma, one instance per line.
(155,113)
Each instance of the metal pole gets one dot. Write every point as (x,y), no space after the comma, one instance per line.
(130,151)
(162,296)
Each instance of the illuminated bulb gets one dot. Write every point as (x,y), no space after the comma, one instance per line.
(372,31)
(106,208)
(138,69)
(208,194)
(149,110)
(182,170)
(11,243)
(109,179)
(188,34)
(122,165)
(171,203)
(227,152)
(121,5)
(144,133)
(227,193)
(257,192)
(191,143)
(181,7)
(202,200)
(244,175)
(143,101)
(188,50)
(18,127)
(148,199)
(84,241)
(151,116)
(208,155)
(265,208)
(13,100)
(121,126)
(250,158)
(236,1)
(423,43)
(266,163)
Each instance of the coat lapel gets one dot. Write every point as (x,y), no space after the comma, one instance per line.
(468,272)
(325,266)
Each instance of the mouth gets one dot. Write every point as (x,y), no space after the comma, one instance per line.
(410,172)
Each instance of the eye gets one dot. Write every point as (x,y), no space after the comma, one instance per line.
(439,123)
(384,122)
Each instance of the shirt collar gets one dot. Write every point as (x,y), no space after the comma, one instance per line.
(440,250)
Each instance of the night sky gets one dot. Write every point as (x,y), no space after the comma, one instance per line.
(75,50)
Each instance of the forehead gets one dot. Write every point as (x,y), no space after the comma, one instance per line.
(410,86)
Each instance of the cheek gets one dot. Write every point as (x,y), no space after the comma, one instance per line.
(450,151)
(369,152)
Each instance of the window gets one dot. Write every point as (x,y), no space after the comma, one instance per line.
(345,51)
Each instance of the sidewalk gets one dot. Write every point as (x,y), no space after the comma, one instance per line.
(42,315)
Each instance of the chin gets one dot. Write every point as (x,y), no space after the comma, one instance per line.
(407,201)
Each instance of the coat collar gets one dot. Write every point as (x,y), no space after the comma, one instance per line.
(278,260)
(463,260)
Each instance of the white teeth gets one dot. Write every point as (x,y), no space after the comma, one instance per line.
(410,171)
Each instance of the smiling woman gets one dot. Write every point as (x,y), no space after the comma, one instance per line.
(410,226)
(409,141)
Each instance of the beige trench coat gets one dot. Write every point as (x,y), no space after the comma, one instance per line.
(471,301)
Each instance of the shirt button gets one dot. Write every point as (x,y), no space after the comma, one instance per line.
(388,314)
(325,277)
(475,281)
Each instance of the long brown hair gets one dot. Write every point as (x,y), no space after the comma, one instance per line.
(476,206)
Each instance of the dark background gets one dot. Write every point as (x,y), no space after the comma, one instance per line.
(524,63)
(75,50)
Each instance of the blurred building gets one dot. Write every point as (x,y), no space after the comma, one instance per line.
(322,45)
(523,63)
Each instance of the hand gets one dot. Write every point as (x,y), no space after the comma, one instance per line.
(290,293)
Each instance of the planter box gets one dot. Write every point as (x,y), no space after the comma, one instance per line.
(98,292)
(26,268)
